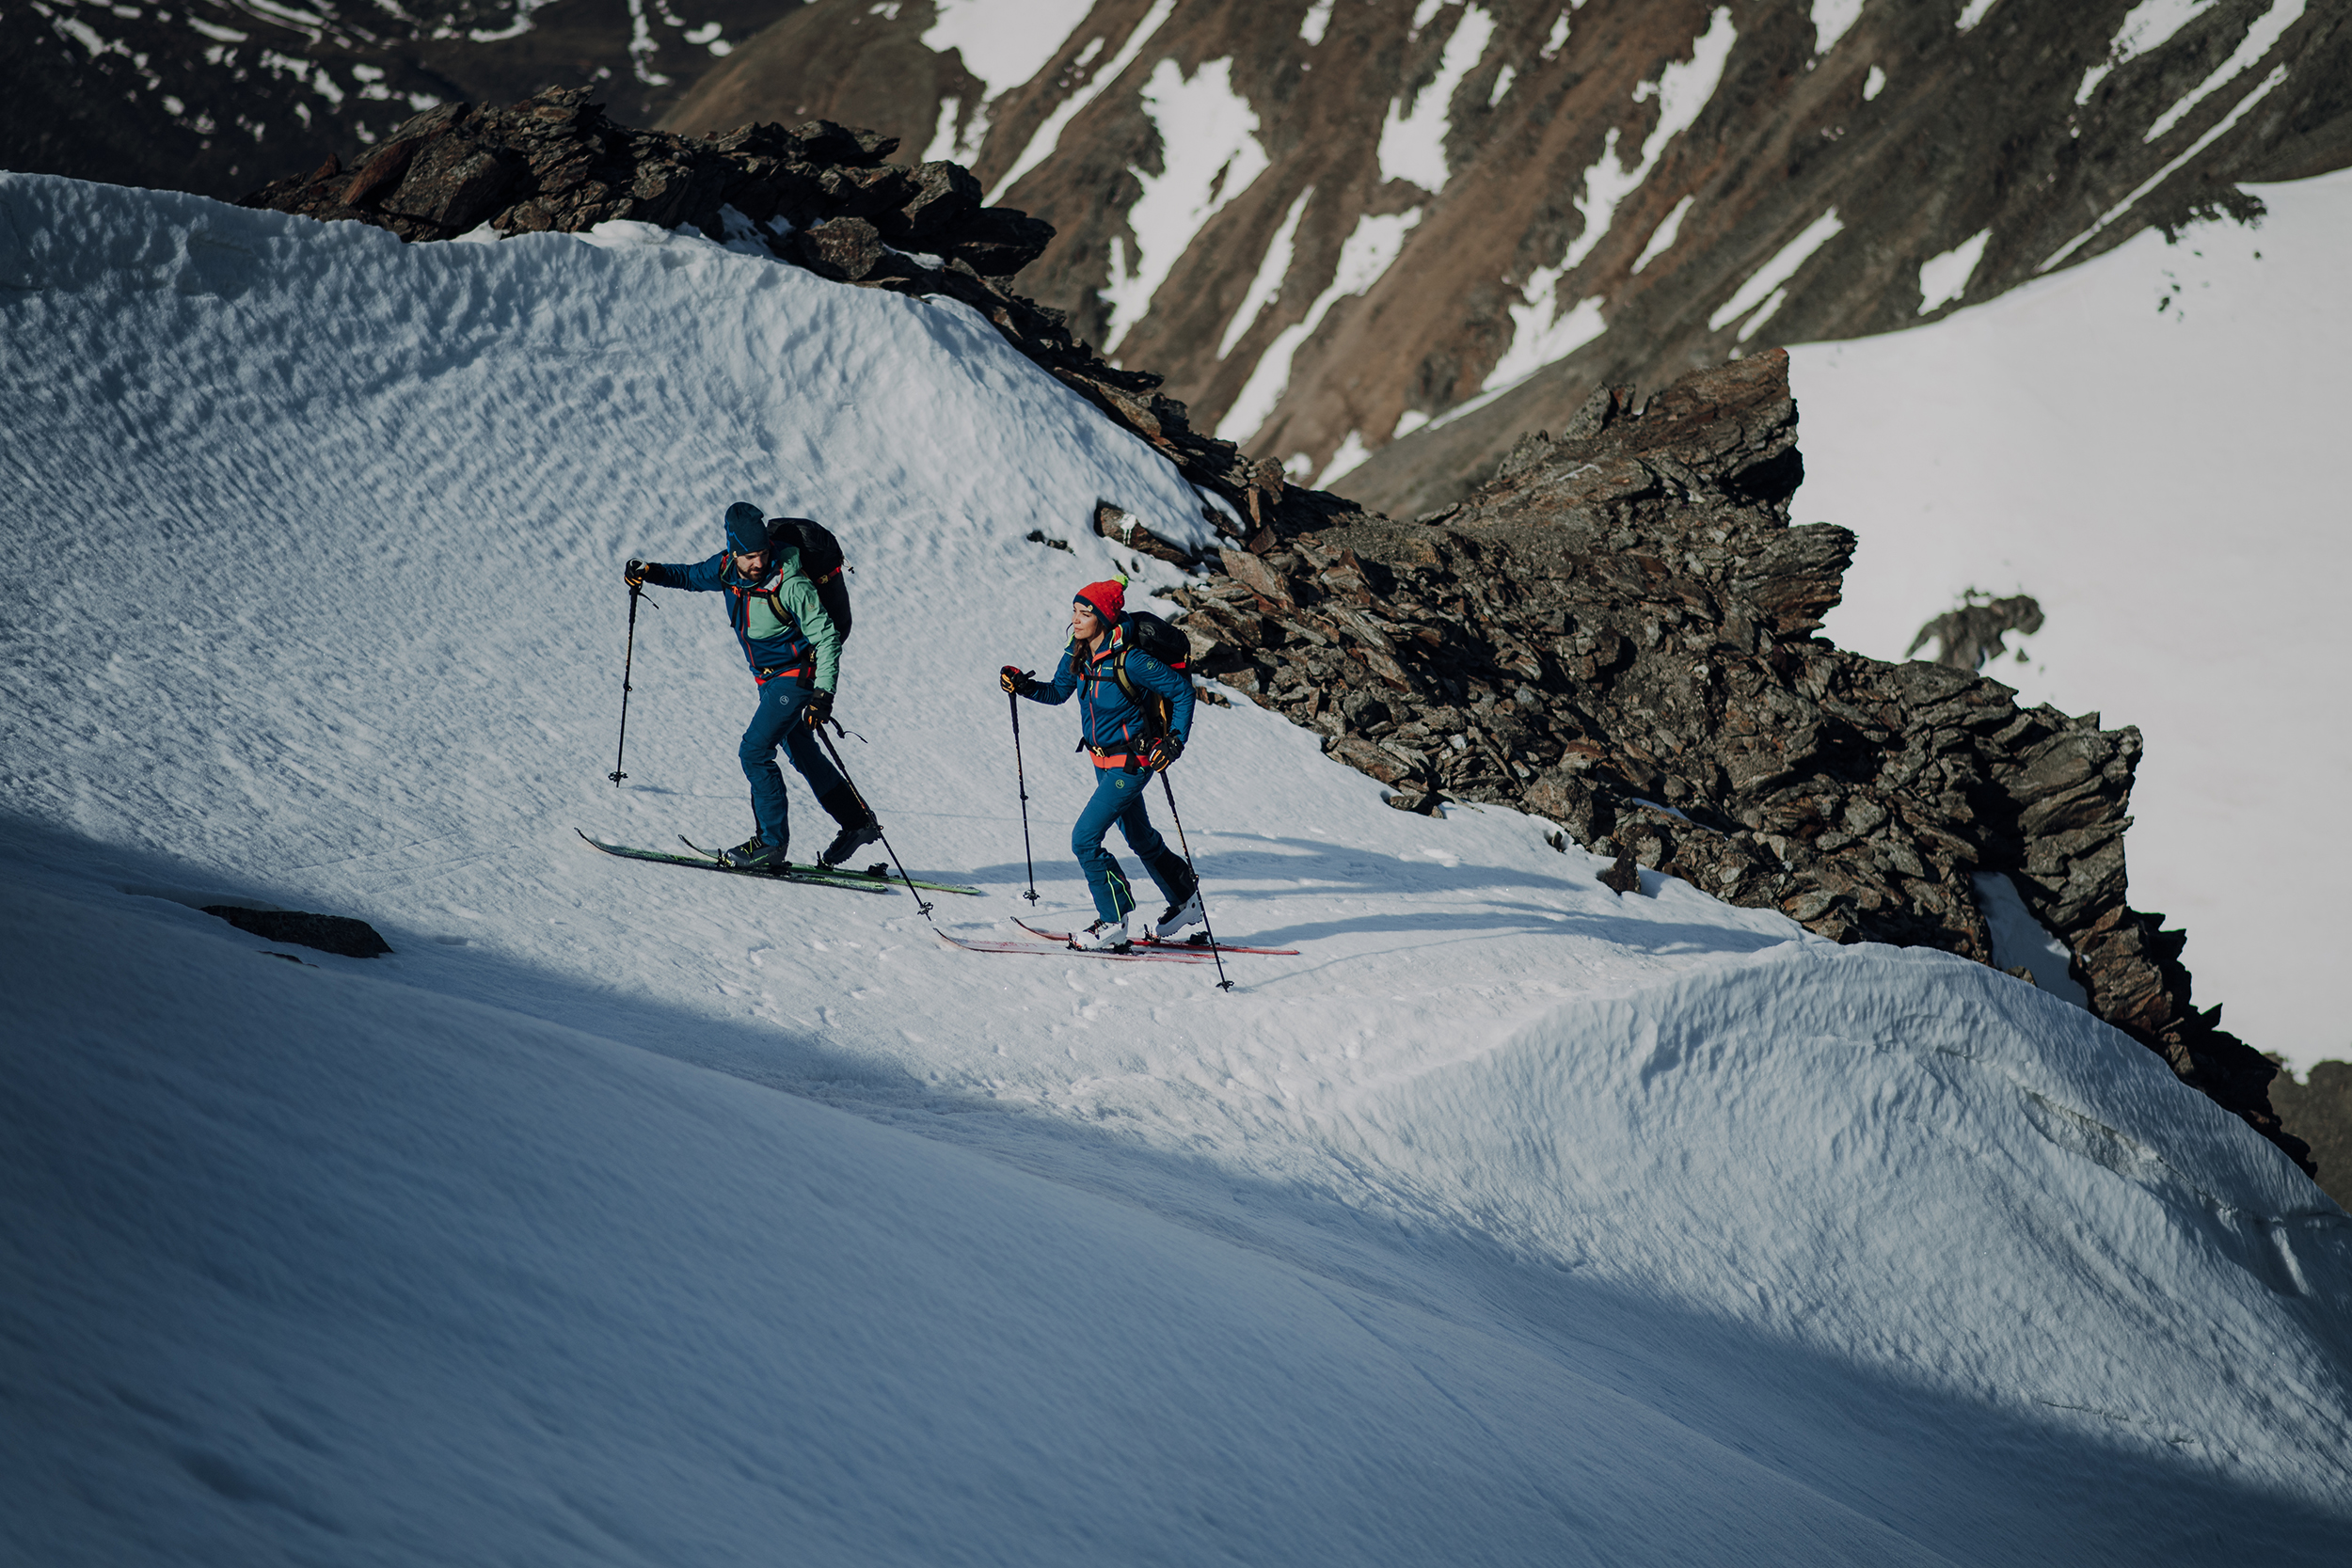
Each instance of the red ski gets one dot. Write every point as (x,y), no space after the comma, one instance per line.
(1163,956)
(1151,945)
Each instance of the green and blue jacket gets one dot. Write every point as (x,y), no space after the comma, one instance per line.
(778,620)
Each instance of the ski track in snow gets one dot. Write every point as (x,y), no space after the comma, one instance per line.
(1512,1222)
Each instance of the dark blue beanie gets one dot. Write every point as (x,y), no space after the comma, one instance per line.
(747,528)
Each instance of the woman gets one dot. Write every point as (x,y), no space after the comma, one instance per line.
(1129,740)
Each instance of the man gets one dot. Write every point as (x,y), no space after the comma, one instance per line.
(794,651)
(1129,743)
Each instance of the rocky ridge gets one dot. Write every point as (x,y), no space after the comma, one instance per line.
(1615,633)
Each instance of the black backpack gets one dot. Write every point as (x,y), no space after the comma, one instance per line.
(1143,631)
(821,558)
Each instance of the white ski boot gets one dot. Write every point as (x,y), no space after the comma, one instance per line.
(1182,912)
(1103,936)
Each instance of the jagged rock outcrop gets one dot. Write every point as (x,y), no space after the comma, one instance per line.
(1615,633)
(817,195)
(329,933)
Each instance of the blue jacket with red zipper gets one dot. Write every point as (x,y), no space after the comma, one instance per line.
(1112,726)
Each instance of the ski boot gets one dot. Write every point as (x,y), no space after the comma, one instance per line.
(1182,911)
(1103,936)
(859,826)
(853,838)
(755,854)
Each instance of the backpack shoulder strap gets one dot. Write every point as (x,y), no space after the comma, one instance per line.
(1147,703)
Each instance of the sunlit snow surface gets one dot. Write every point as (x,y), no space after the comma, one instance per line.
(638,1214)
(2148,444)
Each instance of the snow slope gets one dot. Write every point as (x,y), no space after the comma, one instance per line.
(2146,443)
(639,1215)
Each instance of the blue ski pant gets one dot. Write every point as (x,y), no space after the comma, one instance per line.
(1119,797)
(778,723)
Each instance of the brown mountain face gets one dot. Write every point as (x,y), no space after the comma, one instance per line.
(1330,223)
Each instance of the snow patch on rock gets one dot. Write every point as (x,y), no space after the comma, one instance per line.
(1413,139)
(1209,154)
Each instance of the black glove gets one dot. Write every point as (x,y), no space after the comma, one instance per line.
(1162,752)
(1019,682)
(634,573)
(820,711)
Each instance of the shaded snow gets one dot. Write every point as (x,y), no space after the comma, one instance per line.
(2021,942)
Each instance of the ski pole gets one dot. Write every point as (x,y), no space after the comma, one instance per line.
(1020,780)
(877,821)
(1222,983)
(628,660)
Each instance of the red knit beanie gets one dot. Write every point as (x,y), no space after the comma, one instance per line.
(1110,599)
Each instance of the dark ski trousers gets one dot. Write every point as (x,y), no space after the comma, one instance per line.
(1119,797)
(782,700)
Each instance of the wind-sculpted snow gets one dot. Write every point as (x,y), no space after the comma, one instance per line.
(625,1212)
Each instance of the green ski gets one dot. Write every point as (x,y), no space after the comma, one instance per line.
(878,873)
(855,881)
